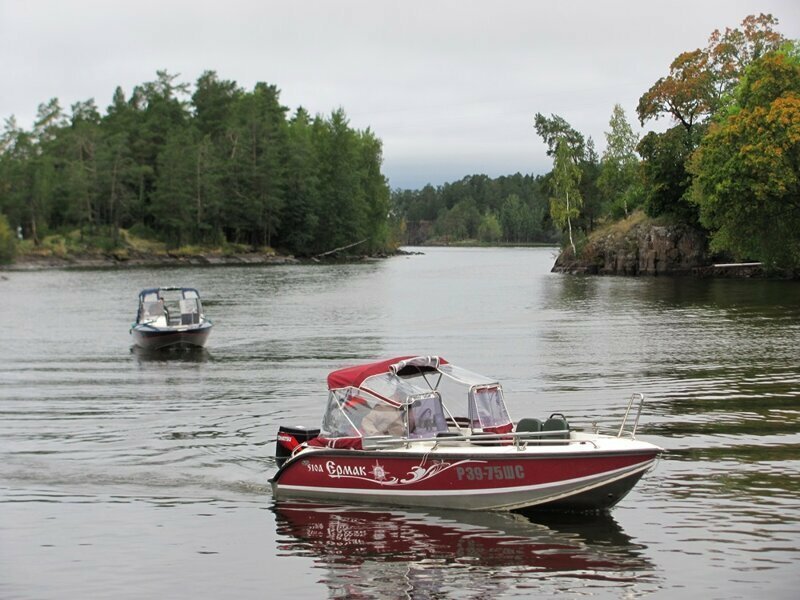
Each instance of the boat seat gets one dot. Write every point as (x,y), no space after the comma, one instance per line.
(190,318)
(529,425)
(556,422)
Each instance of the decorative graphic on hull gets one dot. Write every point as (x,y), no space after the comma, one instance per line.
(378,473)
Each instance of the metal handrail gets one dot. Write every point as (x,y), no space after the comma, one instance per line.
(517,437)
(635,396)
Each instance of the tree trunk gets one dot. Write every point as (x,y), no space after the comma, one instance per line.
(569,227)
(199,203)
(34,234)
(112,200)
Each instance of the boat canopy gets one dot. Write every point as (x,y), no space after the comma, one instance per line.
(153,294)
(402,365)
(409,385)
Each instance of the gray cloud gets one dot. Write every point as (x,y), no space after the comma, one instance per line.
(450,87)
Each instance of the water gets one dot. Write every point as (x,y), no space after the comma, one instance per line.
(130,476)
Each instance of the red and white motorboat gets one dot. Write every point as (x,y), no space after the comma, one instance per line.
(419,431)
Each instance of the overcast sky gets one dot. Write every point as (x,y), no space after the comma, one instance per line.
(451,87)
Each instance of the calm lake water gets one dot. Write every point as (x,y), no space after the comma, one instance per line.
(129,476)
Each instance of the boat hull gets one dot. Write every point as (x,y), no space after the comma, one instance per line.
(152,338)
(505,480)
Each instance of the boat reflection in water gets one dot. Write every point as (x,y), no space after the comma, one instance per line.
(402,553)
(186,355)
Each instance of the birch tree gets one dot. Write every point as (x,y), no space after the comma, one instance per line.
(566,200)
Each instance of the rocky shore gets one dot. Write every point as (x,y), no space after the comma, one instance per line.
(644,249)
(638,246)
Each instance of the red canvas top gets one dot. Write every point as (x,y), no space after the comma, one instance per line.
(355,376)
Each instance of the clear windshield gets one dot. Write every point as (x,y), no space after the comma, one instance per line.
(397,389)
(465,377)
(190,311)
(336,422)
(353,412)
(459,390)
(487,408)
(152,310)
(426,417)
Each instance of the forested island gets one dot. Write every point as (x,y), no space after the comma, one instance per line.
(214,167)
(222,168)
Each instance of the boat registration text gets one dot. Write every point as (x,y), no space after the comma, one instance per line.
(490,473)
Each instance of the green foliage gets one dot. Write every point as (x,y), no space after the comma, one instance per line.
(300,219)
(460,222)
(172,200)
(696,92)
(516,200)
(666,180)
(520,221)
(222,165)
(554,130)
(489,229)
(590,171)
(699,80)
(566,200)
(619,180)
(8,243)
(144,232)
(747,169)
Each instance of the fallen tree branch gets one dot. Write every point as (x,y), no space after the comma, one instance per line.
(335,250)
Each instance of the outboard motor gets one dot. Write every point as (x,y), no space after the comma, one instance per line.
(290,438)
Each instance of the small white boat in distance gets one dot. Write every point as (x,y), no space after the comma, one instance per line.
(170,317)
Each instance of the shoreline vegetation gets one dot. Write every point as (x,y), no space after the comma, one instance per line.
(635,246)
(56,253)
(216,174)
(68,252)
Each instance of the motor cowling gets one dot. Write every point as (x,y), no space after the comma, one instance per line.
(290,438)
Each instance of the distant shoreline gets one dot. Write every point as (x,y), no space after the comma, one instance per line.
(39,262)
(44,262)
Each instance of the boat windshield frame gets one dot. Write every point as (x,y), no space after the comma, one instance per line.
(437,388)
(420,415)
(392,388)
(182,309)
(487,408)
(455,385)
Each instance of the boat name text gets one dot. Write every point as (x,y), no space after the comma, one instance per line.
(335,470)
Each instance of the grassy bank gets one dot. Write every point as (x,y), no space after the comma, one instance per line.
(80,249)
